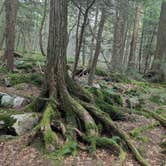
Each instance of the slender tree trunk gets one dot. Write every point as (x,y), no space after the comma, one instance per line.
(93,38)
(98,47)
(81,37)
(141,45)
(148,51)
(41,29)
(84,52)
(77,32)
(132,56)
(11,13)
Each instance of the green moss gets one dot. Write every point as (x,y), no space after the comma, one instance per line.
(108,101)
(7,119)
(101,72)
(36,78)
(117,77)
(136,132)
(3,69)
(18,78)
(157,99)
(24,66)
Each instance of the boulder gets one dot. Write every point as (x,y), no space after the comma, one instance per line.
(25,122)
(19,102)
(7,101)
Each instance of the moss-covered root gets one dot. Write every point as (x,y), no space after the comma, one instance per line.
(78,91)
(107,121)
(50,138)
(108,142)
(162,120)
(70,104)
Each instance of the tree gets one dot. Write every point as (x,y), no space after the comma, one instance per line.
(64,103)
(120,28)
(132,56)
(11,13)
(89,4)
(159,63)
(98,47)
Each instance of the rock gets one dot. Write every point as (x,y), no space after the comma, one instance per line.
(96,86)
(19,102)
(133,102)
(2,94)
(7,101)
(25,122)
(7,82)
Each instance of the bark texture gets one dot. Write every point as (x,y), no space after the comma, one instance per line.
(11,13)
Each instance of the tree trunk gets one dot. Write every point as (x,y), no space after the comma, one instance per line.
(81,37)
(148,50)
(11,13)
(93,38)
(120,27)
(41,29)
(159,63)
(98,47)
(141,46)
(132,56)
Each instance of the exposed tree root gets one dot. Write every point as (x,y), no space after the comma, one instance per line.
(162,120)
(105,142)
(107,121)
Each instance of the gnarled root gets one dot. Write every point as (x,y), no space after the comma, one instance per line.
(107,121)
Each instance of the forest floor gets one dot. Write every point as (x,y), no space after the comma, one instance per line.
(146,133)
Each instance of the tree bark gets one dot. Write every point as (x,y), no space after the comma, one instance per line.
(41,29)
(132,56)
(159,63)
(11,13)
(81,37)
(120,27)
(98,47)
(93,38)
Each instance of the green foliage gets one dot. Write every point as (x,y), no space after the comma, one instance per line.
(7,119)
(117,77)
(101,72)
(17,78)
(69,148)
(137,132)
(3,69)
(108,102)
(36,78)
(157,99)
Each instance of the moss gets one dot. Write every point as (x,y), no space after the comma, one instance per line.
(111,97)
(157,99)
(18,78)
(36,79)
(24,66)
(101,72)
(50,137)
(108,101)
(117,77)
(7,119)
(3,69)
